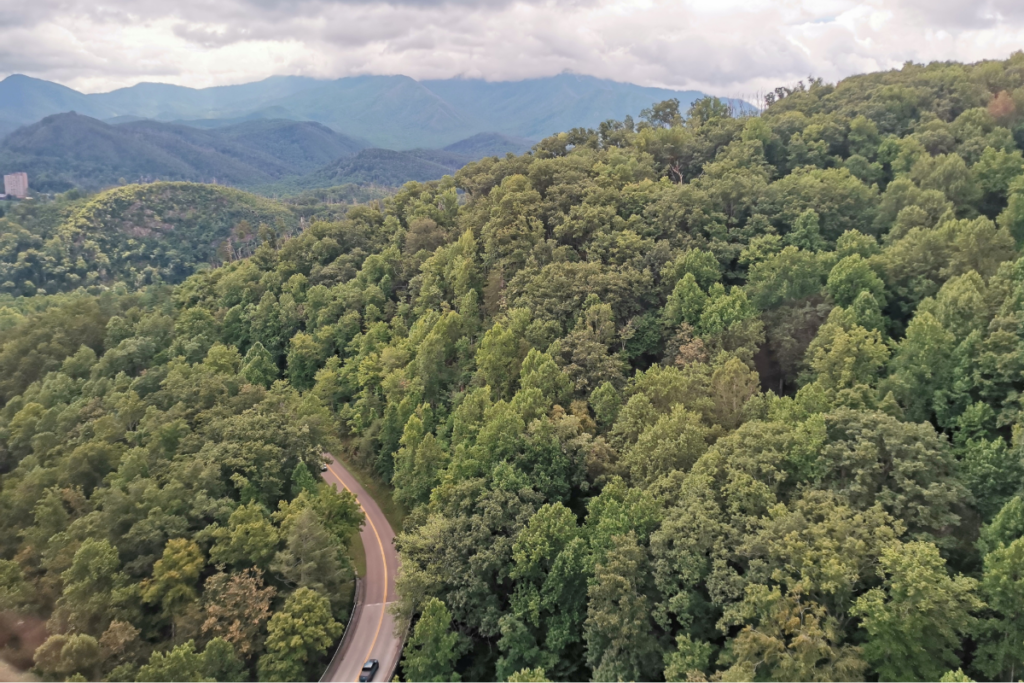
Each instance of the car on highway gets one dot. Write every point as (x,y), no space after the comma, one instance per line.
(323,467)
(368,670)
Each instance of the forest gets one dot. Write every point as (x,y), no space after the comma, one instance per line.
(693,396)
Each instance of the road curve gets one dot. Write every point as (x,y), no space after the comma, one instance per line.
(371,631)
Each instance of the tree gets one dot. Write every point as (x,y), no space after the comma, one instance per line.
(916,619)
(732,384)
(685,304)
(1000,651)
(249,539)
(846,359)
(920,366)
(806,233)
(304,358)
(662,114)
(175,576)
(619,632)
(258,367)
(217,662)
(689,661)
(311,557)
(543,628)
(302,480)
(794,640)
(707,109)
(236,608)
(851,277)
(297,636)
(433,648)
(69,654)
(94,588)
(674,442)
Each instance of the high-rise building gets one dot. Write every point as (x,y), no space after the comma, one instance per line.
(16,185)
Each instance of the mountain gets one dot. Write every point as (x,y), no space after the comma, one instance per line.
(490,145)
(395,112)
(168,102)
(7,127)
(71,150)
(26,100)
(539,107)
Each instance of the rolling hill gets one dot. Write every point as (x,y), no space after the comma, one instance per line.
(387,168)
(489,145)
(72,150)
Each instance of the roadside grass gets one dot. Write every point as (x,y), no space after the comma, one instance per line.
(357,553)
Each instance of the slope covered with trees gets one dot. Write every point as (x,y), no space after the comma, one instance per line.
(695,397)
(135,235)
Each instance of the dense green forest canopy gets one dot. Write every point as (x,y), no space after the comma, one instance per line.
(690,397)
(136,235)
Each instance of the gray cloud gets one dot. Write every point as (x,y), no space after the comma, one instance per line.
(731,47)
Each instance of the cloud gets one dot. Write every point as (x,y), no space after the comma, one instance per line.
(729,47)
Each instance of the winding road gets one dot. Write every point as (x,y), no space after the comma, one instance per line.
(370,632)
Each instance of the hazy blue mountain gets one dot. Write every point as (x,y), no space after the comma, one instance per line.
(489,145)
(301,144)
(538,107)
(393,112)
(390,111)
(68,150)
(168,102)
(257,115)
(7,127)
(26,100)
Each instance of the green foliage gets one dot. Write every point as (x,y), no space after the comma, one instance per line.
(433,648)
(916,620)
(694,397)
(137,234)
(297,637)
(217,662)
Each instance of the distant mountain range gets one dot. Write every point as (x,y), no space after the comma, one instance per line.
(394,112)
(275,156)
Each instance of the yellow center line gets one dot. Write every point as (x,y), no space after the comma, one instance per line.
(382,557)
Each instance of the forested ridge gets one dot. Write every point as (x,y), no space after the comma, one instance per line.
(693,397)
(133,235)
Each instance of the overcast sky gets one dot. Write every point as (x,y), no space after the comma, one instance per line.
(726,47)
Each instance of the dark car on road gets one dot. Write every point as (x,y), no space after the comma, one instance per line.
(368,670)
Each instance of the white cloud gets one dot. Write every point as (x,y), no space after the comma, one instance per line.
(729,47)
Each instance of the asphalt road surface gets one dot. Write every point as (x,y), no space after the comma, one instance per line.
(371,632)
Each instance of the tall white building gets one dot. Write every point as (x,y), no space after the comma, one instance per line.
(16,185)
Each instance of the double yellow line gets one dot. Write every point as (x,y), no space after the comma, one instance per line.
(383,558)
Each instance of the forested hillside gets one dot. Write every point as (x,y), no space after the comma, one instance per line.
(691,397)
(136,235)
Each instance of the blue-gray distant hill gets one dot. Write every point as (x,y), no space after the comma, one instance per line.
(490,145)
(394,112)
(72,150)
(389,168)
(275,156)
